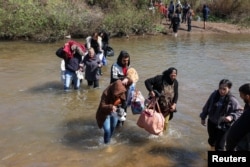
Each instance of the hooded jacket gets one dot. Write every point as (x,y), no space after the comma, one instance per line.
(117,71)
(109,96)
(92,67)
(230,107)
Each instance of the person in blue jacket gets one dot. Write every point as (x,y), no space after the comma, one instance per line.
(205,12)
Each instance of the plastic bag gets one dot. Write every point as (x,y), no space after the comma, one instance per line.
(137,102)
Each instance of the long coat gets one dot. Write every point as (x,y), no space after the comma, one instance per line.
(109,96)
(91,67)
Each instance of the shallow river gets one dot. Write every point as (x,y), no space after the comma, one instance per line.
(41,126)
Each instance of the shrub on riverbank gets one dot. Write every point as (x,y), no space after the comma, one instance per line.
(51,20)
(125,18)
(46,20)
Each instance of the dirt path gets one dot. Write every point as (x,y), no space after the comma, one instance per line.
(211,27)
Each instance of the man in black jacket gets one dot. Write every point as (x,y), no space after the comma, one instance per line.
(175,23)
(238,135)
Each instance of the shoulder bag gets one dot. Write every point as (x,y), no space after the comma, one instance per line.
(151,118)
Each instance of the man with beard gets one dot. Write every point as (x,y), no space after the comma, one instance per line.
(238,135)
(119,69)
(119,72)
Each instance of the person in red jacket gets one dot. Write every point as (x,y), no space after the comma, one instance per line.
(162,10)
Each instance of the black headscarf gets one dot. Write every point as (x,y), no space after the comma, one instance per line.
(166,75)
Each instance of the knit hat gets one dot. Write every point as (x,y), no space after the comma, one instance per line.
(132,75)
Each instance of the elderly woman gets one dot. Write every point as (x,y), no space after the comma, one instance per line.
(92,65)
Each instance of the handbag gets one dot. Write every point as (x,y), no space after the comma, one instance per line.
(79,74)
(137,102)
(151,118)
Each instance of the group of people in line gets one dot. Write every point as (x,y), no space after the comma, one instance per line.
(118,94)
(178,13)
(81,61)
(123,78)
(226,120)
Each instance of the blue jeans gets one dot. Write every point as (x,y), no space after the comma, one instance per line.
(109,127)
(69,76)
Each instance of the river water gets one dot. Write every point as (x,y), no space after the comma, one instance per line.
(41,126)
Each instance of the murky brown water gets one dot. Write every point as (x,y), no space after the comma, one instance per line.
(41,126)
